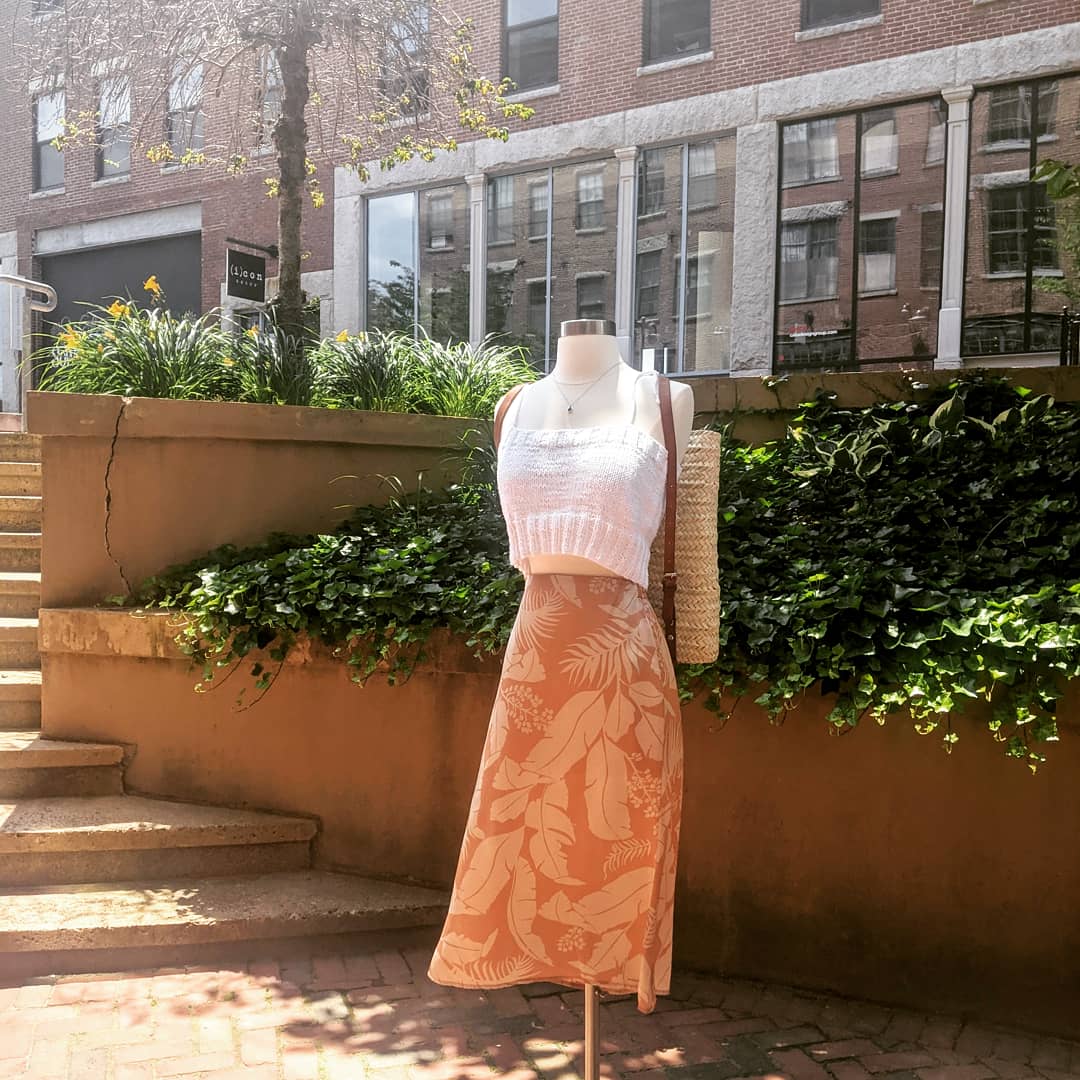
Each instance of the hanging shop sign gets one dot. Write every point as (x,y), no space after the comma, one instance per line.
(245,276)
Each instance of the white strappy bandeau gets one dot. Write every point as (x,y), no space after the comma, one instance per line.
(593,492)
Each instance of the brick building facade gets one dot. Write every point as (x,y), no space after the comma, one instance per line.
(847,180)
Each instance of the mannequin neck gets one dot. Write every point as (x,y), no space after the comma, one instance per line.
(581,357)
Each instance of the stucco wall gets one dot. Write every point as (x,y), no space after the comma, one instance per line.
(871,864)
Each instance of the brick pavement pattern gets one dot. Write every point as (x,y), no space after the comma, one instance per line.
(368,1012)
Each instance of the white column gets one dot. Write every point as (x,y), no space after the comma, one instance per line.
(625,248)
(477,184)
(350,254)
(754,256)
(957,138)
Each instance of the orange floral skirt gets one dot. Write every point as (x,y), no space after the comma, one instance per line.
(567,867)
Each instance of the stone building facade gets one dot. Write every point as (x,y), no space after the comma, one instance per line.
(743,188)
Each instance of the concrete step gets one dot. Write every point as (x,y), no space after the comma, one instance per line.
(33,767)
(19,643)
(20,699)
(20,513)
(48,930)
(20,550)
(20,593)
(20,478)
(19,446)
(51,841)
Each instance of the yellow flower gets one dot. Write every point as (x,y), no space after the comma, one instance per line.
(110,335)
(227,361)
(118,308)
(70,339)
(151,285)
(252,331)
(343,336)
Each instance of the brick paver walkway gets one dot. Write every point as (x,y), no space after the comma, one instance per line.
(370,1012)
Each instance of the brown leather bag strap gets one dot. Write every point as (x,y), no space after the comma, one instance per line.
(501,411)
(670,501)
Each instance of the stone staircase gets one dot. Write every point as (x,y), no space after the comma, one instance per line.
(93,878)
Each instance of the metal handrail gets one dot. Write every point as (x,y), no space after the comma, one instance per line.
(50,301)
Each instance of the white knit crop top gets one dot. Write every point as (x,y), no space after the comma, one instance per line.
(594,492)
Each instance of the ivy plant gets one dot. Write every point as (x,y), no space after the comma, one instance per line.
(911,557)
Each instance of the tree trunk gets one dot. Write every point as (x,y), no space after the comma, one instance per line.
(290,138)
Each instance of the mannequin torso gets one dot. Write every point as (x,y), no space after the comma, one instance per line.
(618,394)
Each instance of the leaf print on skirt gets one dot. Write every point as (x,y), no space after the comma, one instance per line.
(566,872)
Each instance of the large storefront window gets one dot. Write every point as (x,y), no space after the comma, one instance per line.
(418,263)
(1018,256)
(551,252)
(860,237)
(682,314)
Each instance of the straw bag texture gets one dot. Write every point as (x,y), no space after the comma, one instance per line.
(697,594)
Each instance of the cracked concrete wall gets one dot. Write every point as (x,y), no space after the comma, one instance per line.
(133,486)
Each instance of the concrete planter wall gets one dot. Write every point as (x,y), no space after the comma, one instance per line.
(133,485)
(871,864)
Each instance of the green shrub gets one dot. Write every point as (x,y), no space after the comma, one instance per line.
(915,555)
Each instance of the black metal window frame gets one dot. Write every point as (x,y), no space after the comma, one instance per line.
(852,363)
(530,24)
(870,9)
(647,15)
(975,145)
(40,144)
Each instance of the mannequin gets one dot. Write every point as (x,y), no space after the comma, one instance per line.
(567,866)
(588,348)
(587,351)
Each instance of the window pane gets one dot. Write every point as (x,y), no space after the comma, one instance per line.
(444,264)
(115,103)
(1014,229)
(899,269)
(185,90)
(391,257)
(50,166)
(516,267)
(533,54)
(114,152)
(935,139)
(584,198)
(817,243)
(710,226)
(675,28)
(829,12)
(880,142)
(650,180)
(523,11)
(49,116)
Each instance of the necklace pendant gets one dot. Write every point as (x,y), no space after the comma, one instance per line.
(569,408)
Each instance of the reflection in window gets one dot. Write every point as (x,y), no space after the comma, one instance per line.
(590,201)
(932,229)
(701,185)
(114,128)
(830,12)
(184,116)
(650,182)
(537,316)
(590,297)
(48,125)
(675,28)
(808,260)
(698,285)
(811,152)
(531,47)
(538,209)
(1010,113)
(403,73)
(391,269)
(440,230)
(648,285)
(877,255)
(880,142)
(1006,230)
(501,210)
(935,138)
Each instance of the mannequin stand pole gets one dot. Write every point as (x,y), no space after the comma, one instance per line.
(592,1024)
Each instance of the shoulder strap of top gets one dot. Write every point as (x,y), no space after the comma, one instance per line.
(670,499)
(501,411)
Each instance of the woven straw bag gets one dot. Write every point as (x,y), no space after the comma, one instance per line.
(697,594)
